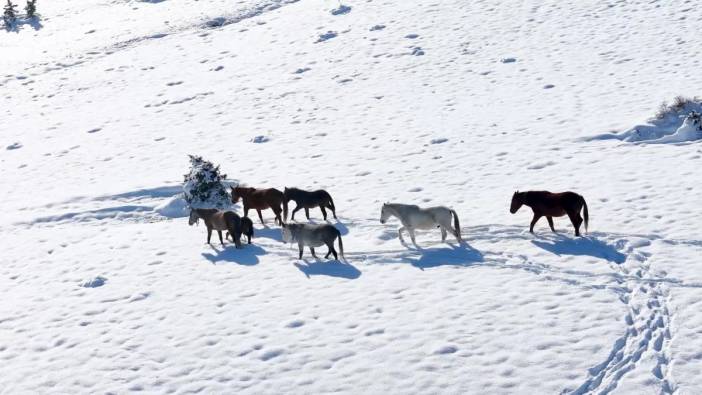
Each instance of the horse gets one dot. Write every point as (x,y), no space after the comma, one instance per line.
(544,203)
(413,217)
(219,221)
(307,200)
(259,199)
(247,229)
(314,236)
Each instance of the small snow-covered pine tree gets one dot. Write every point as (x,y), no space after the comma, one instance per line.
(10,13)
(31,8)
(203,187)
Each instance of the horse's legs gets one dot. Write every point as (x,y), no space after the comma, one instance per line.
(209,235)
(260,216)
(276,211)
(411,232)
(550,223)
(300,247)
(236,235)
(296,209)
(331,207)
(533,222)
(324,212)
(450,229)
(307,213)
(246,211)
(312,251)
(331,251)
(219,232)
(576,220)
(399,233)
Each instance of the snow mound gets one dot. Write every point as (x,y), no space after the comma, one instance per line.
(690,130)
(173,207)
(673,124)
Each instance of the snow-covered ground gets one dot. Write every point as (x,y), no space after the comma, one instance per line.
(453,102)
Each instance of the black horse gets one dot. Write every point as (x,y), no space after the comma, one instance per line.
(307,200)
(544,203)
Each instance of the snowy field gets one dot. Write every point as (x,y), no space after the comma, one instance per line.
(456,103)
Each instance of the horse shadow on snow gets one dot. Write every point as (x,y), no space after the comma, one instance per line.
(453,255)
(247,256)
(590,246)
(328,268)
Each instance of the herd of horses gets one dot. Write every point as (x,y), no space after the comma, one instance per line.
(412,217)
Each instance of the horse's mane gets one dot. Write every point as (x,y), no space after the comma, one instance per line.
(395,205)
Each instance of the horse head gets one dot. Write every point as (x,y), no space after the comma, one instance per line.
(194,218)
(288,233)
(517,201)
(236,193)
(384,214)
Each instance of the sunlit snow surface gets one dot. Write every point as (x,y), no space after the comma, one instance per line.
(105,288)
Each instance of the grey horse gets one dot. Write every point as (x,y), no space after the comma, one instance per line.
(313,236)
(414,217)
(219,221)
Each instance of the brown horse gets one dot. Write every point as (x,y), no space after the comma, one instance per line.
(259,199)
(544,203)
(219,221)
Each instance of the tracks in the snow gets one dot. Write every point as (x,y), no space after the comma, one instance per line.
(647,336)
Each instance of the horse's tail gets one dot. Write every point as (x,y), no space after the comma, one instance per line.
(456,225)
(585,213)
(341,246)
(331,202)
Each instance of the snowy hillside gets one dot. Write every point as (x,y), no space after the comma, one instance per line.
(451,103)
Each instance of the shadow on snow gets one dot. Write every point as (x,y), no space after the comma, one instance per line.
(562,245)
(268,233)
(453,255)
(330,268)
(247,256)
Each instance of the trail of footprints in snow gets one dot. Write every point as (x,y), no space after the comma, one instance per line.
(647,331)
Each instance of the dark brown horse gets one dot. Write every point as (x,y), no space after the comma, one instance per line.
(307,200)
(259,199)
(219,221)
(247,229)
(549,205)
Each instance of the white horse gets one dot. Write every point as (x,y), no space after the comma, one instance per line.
(413,217)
